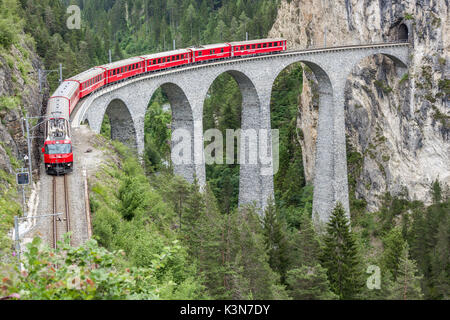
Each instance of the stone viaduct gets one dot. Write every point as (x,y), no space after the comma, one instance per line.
(126,104)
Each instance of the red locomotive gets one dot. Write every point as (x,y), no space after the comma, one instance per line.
(57,149)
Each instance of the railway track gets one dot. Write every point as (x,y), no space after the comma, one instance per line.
(61,223)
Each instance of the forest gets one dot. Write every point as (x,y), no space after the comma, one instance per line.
(158,237)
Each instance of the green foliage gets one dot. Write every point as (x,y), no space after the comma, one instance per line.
(157,134)
(105,130)
(393,245)
(306,249)
(9,102)
(383,86)
(293,196)
(89,273)
(309,283)
(222,111)
(134,218)
(407,285)
(10,23)
(9,207)
(340,256)
(275,236)
(404,78)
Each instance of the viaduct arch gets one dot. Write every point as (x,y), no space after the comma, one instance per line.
(187,89)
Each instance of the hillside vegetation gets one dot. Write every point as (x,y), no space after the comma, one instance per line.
(158,237)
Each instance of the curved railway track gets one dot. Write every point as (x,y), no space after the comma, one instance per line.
(61,223)
(77,115)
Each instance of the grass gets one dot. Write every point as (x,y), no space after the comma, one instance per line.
(9,102)
(381,85)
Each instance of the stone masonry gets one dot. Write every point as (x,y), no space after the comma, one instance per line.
(126,104)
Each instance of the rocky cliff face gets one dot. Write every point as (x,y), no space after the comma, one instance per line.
(19,95)
(397,125)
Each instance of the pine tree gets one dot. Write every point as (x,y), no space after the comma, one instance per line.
(436,192)
(309,283)
(440,262)
(340,256)
(276,242)
(252,276)
(393,245)
(306,246)
(407,284)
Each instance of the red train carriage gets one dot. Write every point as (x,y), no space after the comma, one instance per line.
(254,47)
(123,69)
(211,52)
(89,81)
(169,59)
(64,99)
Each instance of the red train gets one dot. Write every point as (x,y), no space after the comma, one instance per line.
(58,147)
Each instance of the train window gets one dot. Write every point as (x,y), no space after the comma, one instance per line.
(248,47)
(270,45)
(265,45)
(159,60)
(154,61)
(222,50)
(200,53)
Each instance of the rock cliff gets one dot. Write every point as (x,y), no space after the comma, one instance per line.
(397,125)
(19,95)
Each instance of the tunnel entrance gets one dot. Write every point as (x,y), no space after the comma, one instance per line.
(403,32)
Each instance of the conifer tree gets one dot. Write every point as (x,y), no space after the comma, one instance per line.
(275,239)
(393,245)
(407,285)
(440,262)
(306,246)
(340,256)
(252,275)
(309,283)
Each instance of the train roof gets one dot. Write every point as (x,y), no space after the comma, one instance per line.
(257,41)
(209,46)
(165,54)
(88,74)
(121,63)
(66,89)
(58,107)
